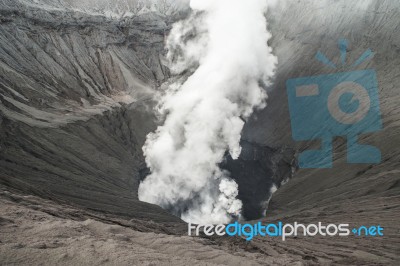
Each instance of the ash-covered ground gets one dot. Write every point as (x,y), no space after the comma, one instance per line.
(76,99)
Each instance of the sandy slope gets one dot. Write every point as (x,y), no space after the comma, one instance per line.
(34,231)
(61,70)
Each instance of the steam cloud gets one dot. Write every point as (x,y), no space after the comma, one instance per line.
(224,44)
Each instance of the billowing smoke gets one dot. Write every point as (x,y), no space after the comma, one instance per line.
(223,44)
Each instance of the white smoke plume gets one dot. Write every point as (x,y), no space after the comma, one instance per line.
(224,45)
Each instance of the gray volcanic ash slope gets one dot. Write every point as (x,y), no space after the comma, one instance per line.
(356,193)
(75,93)
(76,99)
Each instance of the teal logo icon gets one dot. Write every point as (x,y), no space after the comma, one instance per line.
(340,104)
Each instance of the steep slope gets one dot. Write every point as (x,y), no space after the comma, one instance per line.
(373,27)
(359,194)
(75,96)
